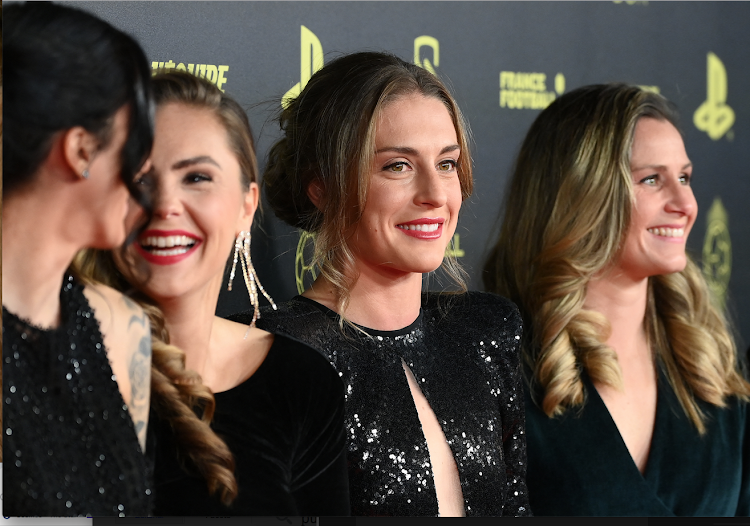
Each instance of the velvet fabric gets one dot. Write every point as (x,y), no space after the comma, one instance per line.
(284,426)
(579,464)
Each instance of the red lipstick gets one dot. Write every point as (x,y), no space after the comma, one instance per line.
(164,255)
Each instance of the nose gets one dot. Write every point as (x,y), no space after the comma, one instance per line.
(166,202)
(431,189)
(681,200)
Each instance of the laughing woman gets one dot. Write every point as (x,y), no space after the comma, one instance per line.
(278,403)
(375,162)
(635,404)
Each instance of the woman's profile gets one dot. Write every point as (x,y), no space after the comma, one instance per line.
(76,360)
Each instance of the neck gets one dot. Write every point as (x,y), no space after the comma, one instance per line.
(190,321)
(623,302)
(35,255)
(380,300)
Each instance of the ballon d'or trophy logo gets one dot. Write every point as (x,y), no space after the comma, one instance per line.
(717,252)
(300,265)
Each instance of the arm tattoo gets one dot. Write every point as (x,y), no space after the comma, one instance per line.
(139,372)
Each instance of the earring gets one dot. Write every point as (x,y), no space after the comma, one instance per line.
(242,252)
(85,174)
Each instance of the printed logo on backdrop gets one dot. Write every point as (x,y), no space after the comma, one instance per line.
(423,61)
(714,116)
(214,73)
(520,90)
(311,60)
(717,252)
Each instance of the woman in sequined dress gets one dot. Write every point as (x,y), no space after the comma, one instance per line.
(374,161)
(635,404)
(77,129)
(278,404)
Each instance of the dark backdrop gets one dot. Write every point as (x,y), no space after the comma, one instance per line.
(505,61)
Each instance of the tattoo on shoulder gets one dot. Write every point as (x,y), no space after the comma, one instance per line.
(139,371)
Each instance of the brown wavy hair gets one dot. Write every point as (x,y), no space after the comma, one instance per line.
(329,138)
(566,216)
(177,392)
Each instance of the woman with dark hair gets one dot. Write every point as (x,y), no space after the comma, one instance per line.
(375,162)
(635,402)
(277,404)
(77,129)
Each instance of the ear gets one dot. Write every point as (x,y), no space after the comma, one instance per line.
(79,148)
(249,206)
(315,192)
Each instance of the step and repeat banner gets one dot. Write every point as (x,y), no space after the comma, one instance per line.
(505,62)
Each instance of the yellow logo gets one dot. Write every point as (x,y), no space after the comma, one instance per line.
(300,266)
(311,60)
(454,247)
(215,74)
(431,42)
(717,251)
(714,116)
(523,90)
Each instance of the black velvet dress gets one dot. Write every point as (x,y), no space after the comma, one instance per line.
(579,464)
(69,446)
(464,353)
(285,428)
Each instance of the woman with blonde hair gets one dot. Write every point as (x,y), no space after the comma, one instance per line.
(375,162)
(277,404)
(635,402)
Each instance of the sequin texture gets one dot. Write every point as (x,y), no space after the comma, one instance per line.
(464,353)
(71,440)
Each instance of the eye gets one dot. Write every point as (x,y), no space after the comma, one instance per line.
(685,179)
(650,180)
(447,165)
(196,177)
(397,167)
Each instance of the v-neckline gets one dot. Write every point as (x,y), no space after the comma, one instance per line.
(595,398)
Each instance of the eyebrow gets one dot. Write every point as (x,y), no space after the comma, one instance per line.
(406,150)
(658,167)
(194,160)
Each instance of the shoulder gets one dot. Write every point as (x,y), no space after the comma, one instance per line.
(301,361)
(480,310)
(116,313)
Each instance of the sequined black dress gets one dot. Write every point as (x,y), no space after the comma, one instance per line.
(69,444)
(464,353)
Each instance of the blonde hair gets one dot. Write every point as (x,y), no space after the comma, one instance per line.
(567,214)
(329,140)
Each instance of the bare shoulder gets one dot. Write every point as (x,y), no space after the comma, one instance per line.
(126,332)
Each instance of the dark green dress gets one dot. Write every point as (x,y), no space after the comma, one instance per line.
(579,464)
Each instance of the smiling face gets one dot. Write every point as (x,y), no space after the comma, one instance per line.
(414,193)
(199,204)
(665,207)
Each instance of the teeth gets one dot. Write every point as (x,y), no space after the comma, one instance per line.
(167,241)
(169,252)
(422,227)
(667,232)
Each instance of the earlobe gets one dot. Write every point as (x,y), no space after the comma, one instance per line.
(79,147)
(315,192)
(249,206)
